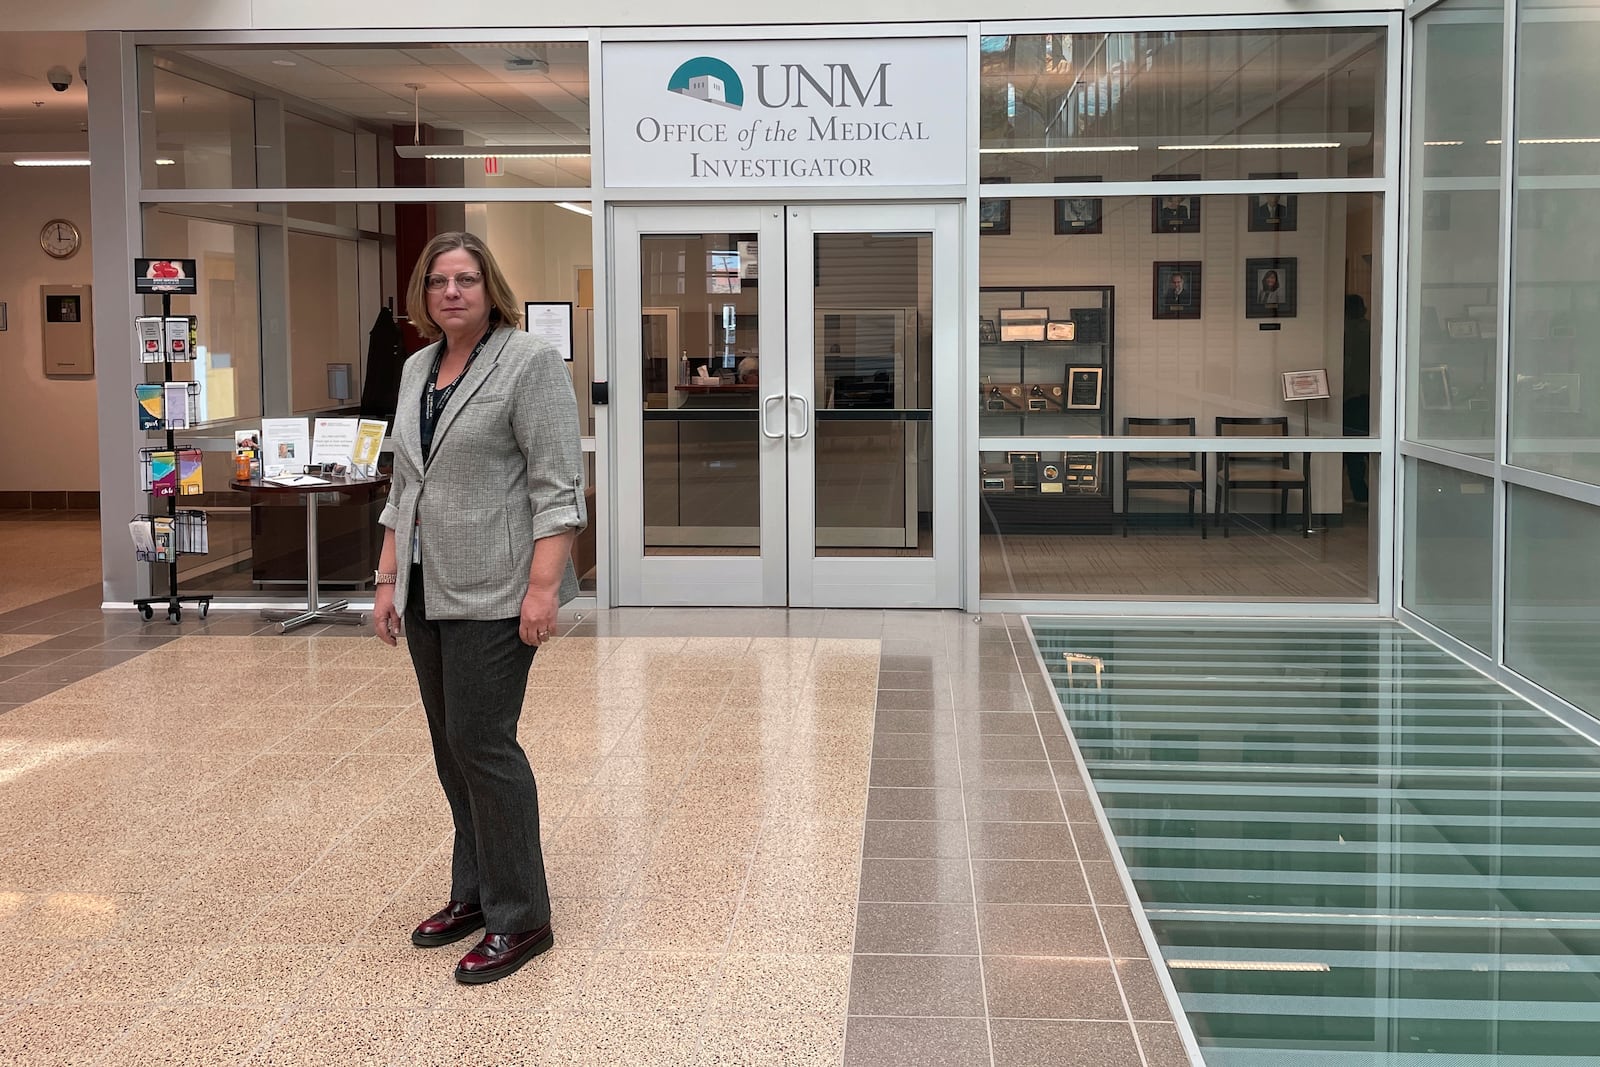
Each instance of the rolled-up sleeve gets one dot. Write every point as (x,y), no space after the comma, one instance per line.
(390,516)
(545,420)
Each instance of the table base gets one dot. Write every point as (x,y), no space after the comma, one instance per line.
(334,611)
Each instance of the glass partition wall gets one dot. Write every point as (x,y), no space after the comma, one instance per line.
(1502,480)
(1182,312)
(301,303)
(1186,246)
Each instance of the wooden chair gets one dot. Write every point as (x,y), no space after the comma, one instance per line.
(1261,470)
(1163,470)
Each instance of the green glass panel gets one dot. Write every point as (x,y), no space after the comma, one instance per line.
(1351,848)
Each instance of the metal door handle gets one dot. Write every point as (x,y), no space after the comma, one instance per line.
(763,420)
(805,417)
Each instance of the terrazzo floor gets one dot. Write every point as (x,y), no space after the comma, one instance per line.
(773,837)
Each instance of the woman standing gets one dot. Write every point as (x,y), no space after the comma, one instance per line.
(487,496)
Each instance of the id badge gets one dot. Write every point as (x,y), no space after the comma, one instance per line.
(416,546)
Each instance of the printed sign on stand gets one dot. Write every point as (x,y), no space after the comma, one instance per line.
(156,276)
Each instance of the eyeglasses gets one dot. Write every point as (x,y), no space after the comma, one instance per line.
(467,279)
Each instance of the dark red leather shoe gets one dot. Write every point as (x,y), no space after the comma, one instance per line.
(448,925)
(498,955)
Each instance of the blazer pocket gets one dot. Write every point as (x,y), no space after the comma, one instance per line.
(484,550)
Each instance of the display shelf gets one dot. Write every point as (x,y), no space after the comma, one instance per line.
(1046,387)
(167,471)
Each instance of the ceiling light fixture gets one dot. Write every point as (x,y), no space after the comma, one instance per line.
(1061,148)
(490,151)
(166,162)
(1441,144)
(64,162)
(579,208)
(1558,140)
(1255,147)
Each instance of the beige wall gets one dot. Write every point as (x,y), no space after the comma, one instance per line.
(48,435)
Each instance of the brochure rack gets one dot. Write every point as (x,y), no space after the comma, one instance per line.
(185,532)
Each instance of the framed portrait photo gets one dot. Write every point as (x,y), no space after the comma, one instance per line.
(1175,214)
(994,216)
(1079,214)
(1306,384)
(988,333)
(1271,289)
(1273,212)
(1175,290)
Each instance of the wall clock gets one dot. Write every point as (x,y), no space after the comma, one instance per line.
(60,238)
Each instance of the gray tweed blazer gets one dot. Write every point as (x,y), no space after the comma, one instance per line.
(506,470)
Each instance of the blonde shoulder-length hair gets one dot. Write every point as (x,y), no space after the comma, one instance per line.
(501,303)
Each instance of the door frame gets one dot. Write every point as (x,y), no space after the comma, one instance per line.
(877,581)
(787,571)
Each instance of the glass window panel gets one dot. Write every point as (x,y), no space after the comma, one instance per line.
(873,359)
(1553,594)
(1208,103)
(1450,363)
(492,115)
(1079,542)
(325,328)
(1555,332)
(204,136)
(228,331)
(317,155)
(1449,550)
(701,366)
(1217,342)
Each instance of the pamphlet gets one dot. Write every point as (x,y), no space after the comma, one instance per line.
(164,473)
(369,444)
(149,404)
(191,481)
(144,545)
(177,405)
(285,445)
(335,440)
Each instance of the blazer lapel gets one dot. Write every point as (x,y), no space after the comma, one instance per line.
(476,375)
(409,418)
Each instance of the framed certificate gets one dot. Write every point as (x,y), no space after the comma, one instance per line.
(550,321)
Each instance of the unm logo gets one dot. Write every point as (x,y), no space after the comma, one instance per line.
(710,79)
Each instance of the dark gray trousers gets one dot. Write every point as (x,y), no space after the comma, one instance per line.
(473,675)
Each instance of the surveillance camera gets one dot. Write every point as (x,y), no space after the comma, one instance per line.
(59,77)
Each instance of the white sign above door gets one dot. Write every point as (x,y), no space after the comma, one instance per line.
(699,115)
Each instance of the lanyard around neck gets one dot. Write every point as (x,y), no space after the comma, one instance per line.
(435,399)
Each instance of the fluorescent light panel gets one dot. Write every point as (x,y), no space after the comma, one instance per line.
(1257,147)
(579,208)
(490,151)
(1060,148)
(50,162)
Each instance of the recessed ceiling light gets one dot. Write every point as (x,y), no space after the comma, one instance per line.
(284,63)
(50,162)
(166,162)
(579,208)
(1259,147)
(401,113)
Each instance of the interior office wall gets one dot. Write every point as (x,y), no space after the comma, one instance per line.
(364,14)
(324,321)
(541,247)
(1221,363)
(49,432)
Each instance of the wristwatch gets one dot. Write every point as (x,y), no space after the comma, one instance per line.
(384,577)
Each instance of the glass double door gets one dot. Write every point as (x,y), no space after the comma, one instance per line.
(784,405)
